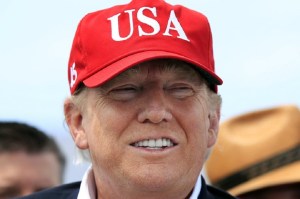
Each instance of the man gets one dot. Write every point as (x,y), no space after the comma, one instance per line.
(144,103)
(257,155)
(29,160)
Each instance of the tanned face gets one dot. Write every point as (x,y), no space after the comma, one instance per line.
(147,131)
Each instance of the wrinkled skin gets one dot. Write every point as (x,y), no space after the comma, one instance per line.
(142,104)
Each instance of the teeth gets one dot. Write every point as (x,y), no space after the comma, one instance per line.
(155,143)
(158,143)
(144,143)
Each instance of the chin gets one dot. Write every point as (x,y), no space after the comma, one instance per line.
(155,179)
(154,184)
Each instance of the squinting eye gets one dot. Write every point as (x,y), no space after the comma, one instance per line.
(181,91)
(124,93)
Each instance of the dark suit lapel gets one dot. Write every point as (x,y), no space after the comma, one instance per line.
(74,194)
(204,193)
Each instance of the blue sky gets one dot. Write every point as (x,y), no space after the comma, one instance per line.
(256,47)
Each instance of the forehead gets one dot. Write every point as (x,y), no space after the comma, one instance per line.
(170,67)
(42,168)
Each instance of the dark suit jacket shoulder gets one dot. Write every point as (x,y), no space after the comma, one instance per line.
(67,191)
(209,192)
(70,191)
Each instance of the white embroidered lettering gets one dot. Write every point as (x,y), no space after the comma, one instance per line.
(173,24)
(73,75)
(147,20)
(173,20)
(115,26)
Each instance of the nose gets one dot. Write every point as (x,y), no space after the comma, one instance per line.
(154,115)
(155,108)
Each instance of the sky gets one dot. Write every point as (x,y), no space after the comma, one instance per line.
(256,49)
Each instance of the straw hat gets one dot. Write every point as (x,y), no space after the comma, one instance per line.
(257,150)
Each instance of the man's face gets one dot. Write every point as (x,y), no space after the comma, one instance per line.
(22,173)
(149,128)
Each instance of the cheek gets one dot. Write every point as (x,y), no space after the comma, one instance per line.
(107,123)
(195,119)
(46,178)
(46,169)
(104,129)
(196,125)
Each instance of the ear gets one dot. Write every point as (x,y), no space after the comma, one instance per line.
(214,119)
(73,116)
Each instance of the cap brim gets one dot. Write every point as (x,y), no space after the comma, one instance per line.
(285,175)
(115,68)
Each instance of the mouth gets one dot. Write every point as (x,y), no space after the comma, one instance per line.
(160,143)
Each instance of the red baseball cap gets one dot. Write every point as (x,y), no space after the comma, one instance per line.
(109,41)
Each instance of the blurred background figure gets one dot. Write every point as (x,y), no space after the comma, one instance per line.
(29,160)
(257,155)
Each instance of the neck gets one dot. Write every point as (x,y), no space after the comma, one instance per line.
(132,191)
